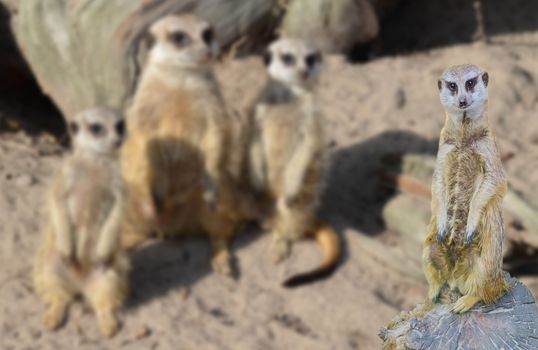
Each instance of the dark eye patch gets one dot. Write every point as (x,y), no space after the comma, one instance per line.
(149,41)
(288,59)
(120,128)
(453,87)
(207,36)
(178,38)
(97,129)
(470,84)
(312,59)
(73,127)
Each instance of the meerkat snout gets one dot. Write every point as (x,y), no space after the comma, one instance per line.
(463,91)
(293,62)
(98,131)
(182,42)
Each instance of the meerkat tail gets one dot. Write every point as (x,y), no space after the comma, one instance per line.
(330,246)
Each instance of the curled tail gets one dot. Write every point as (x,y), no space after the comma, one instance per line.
(330,246)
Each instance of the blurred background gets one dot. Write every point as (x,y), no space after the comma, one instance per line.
(379,96)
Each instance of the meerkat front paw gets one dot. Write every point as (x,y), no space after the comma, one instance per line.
(210,195)
(222,263)
(465,303)
(280,250)
(441,227)
(470,234)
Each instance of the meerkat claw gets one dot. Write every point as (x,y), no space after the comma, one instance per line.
(441,234)
(470,235)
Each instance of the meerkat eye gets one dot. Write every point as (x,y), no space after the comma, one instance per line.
(452,87)
(207,36)
(288,59)
(120,128)
(178,38)
(97,129)
(73,127)
(469,84)
(311,60)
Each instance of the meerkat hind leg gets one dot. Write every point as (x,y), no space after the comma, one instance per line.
(220,230)
(56,312)
(290,224)
(105,294)
(433,274)
(55,293)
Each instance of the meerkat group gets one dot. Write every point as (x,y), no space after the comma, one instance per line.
(187,167)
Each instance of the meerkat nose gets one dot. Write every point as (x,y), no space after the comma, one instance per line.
(463,103)
(305,73)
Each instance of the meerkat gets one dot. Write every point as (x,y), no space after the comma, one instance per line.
(464,246)
(81,254)
(175,162)
(287,153)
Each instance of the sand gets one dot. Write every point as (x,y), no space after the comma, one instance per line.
(386,105)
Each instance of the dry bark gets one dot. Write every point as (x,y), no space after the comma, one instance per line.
(512,323)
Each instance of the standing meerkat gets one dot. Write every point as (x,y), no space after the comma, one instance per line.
(464,246)
(81,253)
(174,161)
(287,153)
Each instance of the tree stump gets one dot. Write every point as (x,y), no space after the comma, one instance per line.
(510,324)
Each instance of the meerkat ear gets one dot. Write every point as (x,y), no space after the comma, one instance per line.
(485,78)
(73,128)
(439,84)
(267,57)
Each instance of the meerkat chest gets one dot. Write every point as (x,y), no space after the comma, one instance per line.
(464,168)
(91,198)
(282,129)
(186,116)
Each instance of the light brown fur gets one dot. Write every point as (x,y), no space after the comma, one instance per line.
(287,157)
(469,184)
(81,252)
(175,160)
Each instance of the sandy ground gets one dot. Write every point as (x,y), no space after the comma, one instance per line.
(387,105)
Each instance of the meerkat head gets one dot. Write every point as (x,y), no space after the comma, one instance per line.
(294,63)
(182,41)
(464,91)
(98,131)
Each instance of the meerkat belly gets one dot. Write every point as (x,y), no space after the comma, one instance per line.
(88,207)
(464,168)
(281,138)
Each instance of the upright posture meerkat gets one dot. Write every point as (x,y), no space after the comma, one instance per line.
(174,161)
(81,253)
(287,152)
(464,245)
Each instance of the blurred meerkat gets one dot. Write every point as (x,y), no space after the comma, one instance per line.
(287,151)
(81,254)
(175,160)
(464,246)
